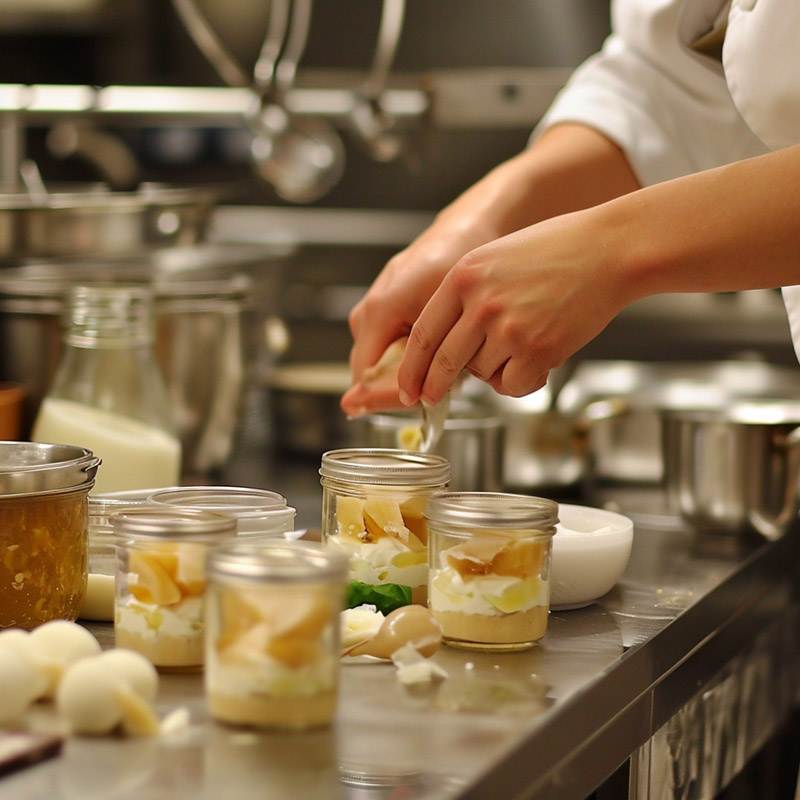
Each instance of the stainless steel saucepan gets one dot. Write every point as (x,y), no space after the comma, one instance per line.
(734,470)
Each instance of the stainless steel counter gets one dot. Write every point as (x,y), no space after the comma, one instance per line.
(697,643)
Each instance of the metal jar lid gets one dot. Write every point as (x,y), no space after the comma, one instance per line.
(495,510)
(31,468)
(274,561)
(172,524)
(385,467)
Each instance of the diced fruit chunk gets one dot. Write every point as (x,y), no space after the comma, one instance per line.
(521,559)
(516,597)
(411,558)
(382,517)
(496,554)
(149,582)
(349,515)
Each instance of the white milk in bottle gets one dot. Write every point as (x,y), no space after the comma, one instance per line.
(108,394)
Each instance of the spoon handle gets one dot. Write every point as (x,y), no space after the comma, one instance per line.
(433,421)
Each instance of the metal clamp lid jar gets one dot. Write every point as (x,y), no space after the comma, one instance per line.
(489,580)
(273,633)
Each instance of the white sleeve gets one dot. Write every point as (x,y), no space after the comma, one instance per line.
(667,108)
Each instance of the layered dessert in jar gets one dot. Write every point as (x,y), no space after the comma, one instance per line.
(373,512)
(386,541)
(161,615)
(273,635)
(490,586)
(161,582)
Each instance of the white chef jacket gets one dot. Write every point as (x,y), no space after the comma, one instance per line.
(674,111)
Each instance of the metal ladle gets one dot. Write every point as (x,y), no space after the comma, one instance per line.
(303,159)
(370,119)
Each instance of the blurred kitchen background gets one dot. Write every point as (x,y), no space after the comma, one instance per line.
(263,282)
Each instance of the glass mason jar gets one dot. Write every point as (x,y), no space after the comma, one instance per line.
(257,511)
(273,633)
(373,504)
(43,531)
(98,602)
(107,392)
(161,581)
(489,585)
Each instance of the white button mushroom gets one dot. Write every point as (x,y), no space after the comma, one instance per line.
(20,641)
(136,670)
(18,683)
(61,643)
(87,697)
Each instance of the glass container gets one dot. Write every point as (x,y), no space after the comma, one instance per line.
(107,392)
(43,531)
(373,503)
(98,602)
(489,584)
(257,511)
(161,581)
(273,636)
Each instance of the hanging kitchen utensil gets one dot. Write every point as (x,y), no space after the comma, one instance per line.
(303,158)
(370,119)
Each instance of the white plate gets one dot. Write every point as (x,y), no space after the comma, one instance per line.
(591,549)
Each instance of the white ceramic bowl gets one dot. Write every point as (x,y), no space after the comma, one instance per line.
(591,549)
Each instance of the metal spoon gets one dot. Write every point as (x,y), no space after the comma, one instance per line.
(303,159)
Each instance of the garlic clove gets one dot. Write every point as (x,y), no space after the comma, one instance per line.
(138,718)
(412,625)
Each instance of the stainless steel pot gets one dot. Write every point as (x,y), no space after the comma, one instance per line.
(90,220)
(604,426)
(472,441)
(734,470)
(209,334)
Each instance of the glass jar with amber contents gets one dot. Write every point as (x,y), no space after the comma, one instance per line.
(373,502)
(489,584)
(161,581)
(273,633)
(43,531)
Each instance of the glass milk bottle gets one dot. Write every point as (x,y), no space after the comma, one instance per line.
(108,394)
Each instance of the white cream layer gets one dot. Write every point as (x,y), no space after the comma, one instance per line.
(370,562)
(468,597)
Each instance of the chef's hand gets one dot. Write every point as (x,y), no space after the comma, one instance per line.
(392,304)
(513,309)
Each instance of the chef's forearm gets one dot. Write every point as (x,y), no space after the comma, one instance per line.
(732,228)
(570,167)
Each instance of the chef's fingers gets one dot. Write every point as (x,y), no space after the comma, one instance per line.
(362,399)
(488,359)
(442,363)
(518,377)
